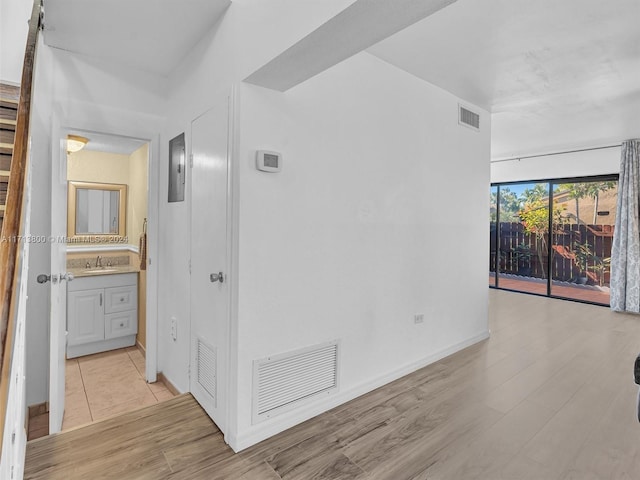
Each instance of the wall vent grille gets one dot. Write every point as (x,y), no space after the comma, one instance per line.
(282,382)
(468,118)
(207,369)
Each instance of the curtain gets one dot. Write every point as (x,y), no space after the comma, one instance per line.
(625,254)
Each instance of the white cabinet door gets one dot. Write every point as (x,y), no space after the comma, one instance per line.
(85,316)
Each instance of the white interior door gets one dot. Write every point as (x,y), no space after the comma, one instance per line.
(58,287)
(209,262)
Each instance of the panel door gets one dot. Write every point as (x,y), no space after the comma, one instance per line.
(209,280)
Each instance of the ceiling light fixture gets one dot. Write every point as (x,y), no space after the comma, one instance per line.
(75,143)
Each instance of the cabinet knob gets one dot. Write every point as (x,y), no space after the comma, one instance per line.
(122,299)
(122,324)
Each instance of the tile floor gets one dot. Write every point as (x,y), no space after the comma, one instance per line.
(107,384)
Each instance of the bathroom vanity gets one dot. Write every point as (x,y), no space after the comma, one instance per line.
(102,310)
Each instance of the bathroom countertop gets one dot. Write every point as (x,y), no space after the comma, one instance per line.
(113,270)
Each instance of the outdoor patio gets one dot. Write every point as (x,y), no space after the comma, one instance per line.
(586,293)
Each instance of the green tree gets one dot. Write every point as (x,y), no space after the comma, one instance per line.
(493,205)
(509,205)
(538,192)
(601,266)
(593,190)
(534,216)
(585,259)
(582,254)
(578,191)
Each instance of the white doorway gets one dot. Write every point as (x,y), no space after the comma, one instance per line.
(210,262)
(58,327)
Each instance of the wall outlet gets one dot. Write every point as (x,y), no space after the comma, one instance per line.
(418,318)
(174,329)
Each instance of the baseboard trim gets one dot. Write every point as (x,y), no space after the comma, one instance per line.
(279,424)
(34,411)
(38,409)
(141,348)
(170,386)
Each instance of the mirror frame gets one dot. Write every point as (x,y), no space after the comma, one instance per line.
(71,212)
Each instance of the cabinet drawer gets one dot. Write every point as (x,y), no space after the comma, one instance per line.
(120,299)
(120,324)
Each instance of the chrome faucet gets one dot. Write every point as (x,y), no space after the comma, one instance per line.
(99,262)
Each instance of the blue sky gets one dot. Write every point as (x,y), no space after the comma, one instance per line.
(519,188)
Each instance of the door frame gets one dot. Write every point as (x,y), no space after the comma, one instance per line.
(58,155)
(231,266)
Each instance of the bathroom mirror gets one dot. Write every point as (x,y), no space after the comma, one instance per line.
(96,210)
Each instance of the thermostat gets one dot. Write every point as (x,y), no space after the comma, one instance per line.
(268,161)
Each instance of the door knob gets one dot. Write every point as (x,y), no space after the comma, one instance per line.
(44,278)
(216,277)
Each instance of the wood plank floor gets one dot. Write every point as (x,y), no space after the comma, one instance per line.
(549,396)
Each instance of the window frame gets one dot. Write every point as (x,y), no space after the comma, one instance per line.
(550,182)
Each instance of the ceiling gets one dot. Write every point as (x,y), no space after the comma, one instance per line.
(553,73)
(152,35)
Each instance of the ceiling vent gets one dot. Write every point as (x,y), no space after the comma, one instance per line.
(468,118)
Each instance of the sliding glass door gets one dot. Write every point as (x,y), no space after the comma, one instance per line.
(553,237)
(582,239)
(493,242)
(523,237)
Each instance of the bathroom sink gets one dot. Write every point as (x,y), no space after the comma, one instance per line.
(101,270)
(106,270)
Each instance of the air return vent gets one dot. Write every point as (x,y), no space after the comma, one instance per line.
(283,382)
(206,369)
(468,118)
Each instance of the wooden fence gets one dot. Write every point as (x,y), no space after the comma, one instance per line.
(516,252)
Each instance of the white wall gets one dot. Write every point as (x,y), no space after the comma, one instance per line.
(378,214)
(79,93)
(402,168)
(95,95)
(84,84)
(587,163)
(249,35)
(14,18)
